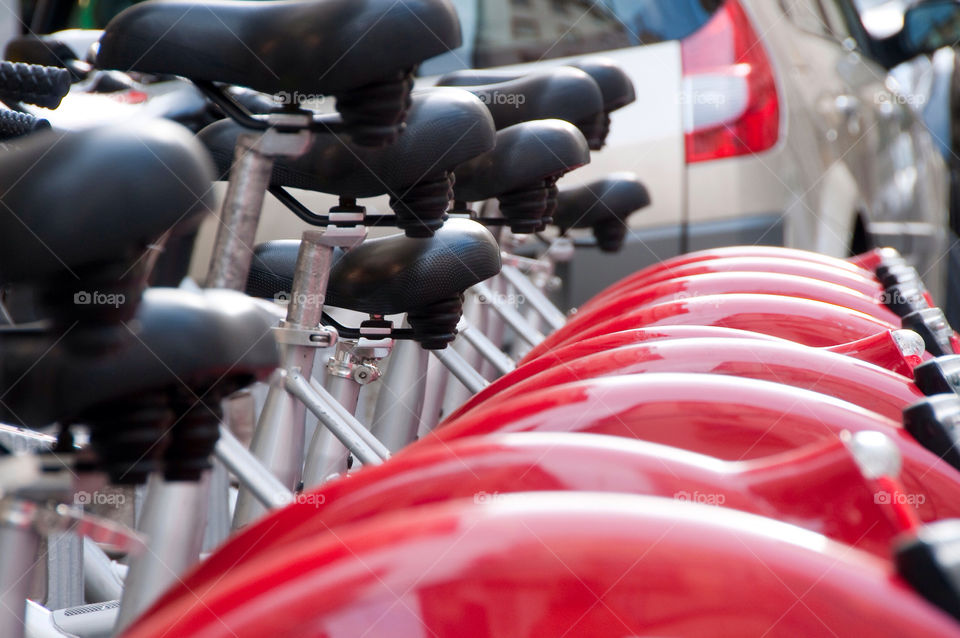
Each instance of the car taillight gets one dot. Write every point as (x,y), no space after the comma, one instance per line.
(730,98)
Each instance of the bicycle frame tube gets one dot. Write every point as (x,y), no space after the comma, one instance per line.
(461,369)
(532,295)
(438,377)
(492,355)
(400,401)
(175,542)
(494,329)
(260,482)
(457,394)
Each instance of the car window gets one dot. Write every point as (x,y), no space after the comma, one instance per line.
(512,31)
(515,31)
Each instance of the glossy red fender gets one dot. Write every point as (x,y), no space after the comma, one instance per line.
(864,384)
(899,351)
(872,259)
(555,564)
(807,487)
(842,277)
(896,351)
(775,252)
(737,282)
(812,323)
(729,418)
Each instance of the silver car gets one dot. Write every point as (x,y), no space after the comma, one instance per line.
(756,121)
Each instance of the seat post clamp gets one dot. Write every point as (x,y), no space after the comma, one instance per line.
(357,359)
(320,337)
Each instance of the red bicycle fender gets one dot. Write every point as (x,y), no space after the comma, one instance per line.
(805,488)
(738,282)
(730,418)
(812,323)
(894,350)
(546,564)
(868,286)
(871,259)
(776,252)
(899,351)
(864,384)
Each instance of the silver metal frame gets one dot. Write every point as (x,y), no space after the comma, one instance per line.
(279,438)
(279,457)
(175,542)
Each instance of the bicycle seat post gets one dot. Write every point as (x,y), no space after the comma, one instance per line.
(249,179)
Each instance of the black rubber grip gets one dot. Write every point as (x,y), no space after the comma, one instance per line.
(33,84)
(15,124)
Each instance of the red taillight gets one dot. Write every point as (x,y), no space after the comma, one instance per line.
(730,94)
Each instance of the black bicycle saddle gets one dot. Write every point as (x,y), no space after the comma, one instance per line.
(522,170)
(309,46)
(445,127)
(602,205)
(562,92)
(178,339)
(81,207)
(389,275)
(615,85)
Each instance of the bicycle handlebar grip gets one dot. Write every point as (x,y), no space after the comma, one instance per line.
(33,84)
(15,124)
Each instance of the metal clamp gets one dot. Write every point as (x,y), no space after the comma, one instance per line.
(277,143)
(322,337)
(358,361)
